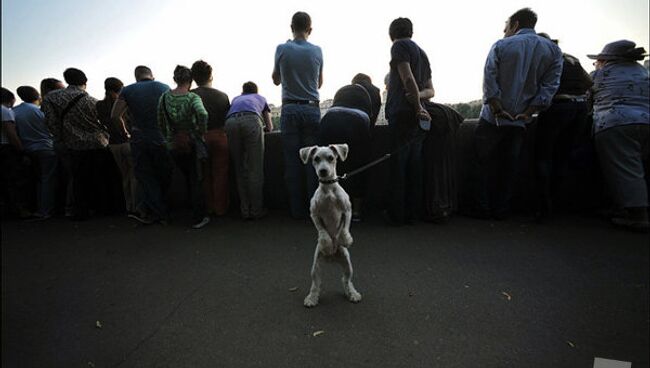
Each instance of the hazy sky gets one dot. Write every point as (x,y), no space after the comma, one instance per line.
(40,38)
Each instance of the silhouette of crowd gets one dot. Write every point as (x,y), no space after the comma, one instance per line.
(65,153)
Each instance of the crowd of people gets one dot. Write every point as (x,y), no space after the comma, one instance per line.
(62,137)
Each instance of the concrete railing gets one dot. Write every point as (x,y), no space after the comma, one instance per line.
(582,186)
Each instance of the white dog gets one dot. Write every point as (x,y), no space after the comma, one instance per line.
(330,211)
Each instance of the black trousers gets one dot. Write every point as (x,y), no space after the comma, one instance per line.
(88,187)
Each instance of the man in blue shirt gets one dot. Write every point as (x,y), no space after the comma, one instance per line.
(299,68)
(152,163)
(38,143)
(521,76)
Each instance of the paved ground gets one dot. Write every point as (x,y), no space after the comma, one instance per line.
(467,294)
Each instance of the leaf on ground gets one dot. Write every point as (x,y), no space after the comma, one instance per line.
(98,324)
(571,344)
(318,333)
(91,364)
(508,297)
(295,288)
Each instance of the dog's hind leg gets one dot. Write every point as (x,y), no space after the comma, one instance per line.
(343,257)
(311,300)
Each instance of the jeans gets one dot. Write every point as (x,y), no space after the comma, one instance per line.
(86,173)
(153,171)
(558,129)
(47,181)
(405,169)
(246,138)
(124,160)
(216,174)
(188,163)
(299,128)
(498,149)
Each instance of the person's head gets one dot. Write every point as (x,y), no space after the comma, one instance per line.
(182,76)
(29,94)
(142,73)
(113,86)
(201,72)
(75,77)
(249,87)
(622,50)
(522,18)
(545,35)
(361,78)
(301,24)
(400,28)
(50,84)
(7,98)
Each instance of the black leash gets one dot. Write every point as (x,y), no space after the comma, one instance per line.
(377,161)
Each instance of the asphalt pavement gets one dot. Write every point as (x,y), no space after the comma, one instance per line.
(471,293)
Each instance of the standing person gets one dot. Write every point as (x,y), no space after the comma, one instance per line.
(375,96)
(37,143)
(558,128)
(299,68)
(248,118)
(11,158)
(152,163)
(71,117)
(118,143)
(621,100)
(349,121)
(217,105)
(410,73)
(64,195)
(521,76)
(183,120)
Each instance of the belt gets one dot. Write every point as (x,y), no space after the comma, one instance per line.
(301,102)
(242,113)
(569,98)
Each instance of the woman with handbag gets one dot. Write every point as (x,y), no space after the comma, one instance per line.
(183,119)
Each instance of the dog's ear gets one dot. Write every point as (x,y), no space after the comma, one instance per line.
(306,153)
(341,150)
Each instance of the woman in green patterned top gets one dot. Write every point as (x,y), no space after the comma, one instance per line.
(183,119)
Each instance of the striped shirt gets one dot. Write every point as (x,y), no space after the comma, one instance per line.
(181,113)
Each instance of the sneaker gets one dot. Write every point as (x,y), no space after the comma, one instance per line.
(38,217)
(140,218)
(260,215)
(201,223)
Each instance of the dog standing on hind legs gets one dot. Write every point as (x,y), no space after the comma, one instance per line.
(331,212)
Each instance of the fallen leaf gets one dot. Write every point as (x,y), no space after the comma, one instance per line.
(295,288)
(571,344)
(508,297)
(91,364)
(98,324)
(318,333)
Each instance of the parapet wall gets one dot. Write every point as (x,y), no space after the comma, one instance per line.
(581,188)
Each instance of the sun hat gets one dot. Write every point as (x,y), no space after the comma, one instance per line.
(620,50)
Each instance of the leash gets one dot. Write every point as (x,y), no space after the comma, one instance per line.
(385,157)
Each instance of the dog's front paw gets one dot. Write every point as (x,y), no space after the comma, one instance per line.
(311,300)
(354,296)
(326,246)
(346,239)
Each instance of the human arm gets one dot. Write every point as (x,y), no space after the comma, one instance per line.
(548,86)
(117,115)
(491,87)
(428,92)
(201,114)
(411,88)
(268,122)
(277,77)
(162,118)
(12,135)
(320,77)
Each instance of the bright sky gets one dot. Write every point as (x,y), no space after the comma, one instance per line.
(40,38)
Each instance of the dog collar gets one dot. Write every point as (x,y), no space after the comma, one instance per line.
(331,181)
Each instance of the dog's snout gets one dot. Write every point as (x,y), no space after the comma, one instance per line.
(322,172)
